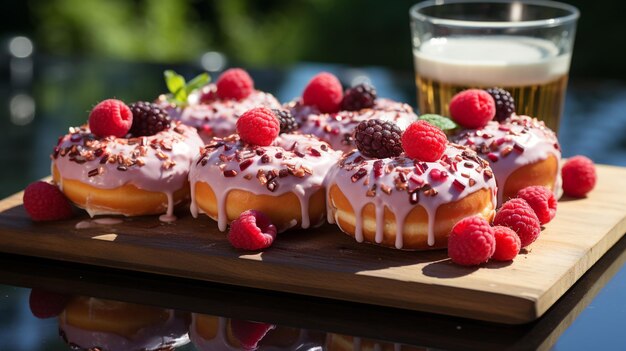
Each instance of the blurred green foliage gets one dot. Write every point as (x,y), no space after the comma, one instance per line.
(271,32)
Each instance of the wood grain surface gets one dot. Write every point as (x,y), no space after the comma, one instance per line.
(326,263)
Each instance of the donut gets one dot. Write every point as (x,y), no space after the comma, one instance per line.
(126,176)
(283,180)
(216,117)
(91,323)
(406,204)
(337,128)
(208,333)
(339,342)
(522,152)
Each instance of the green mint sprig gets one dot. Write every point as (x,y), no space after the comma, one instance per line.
(180,89)
(443,123)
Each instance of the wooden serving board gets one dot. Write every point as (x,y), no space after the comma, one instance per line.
(326,263)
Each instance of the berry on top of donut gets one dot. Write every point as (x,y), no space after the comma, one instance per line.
(323,91)
(423,141)
(287,122)
(110,118)
(505,104)
(472,108)
(148,119)
(234,84)
(378,139)
(258,126)
(358,97)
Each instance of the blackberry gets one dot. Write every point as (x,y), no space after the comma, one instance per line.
(378,139)
(505,105)
(148,119)
(287,121)
(358,97)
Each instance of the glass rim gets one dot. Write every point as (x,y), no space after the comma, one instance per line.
(573,15)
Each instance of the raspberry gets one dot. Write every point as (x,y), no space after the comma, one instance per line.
(505,104)
(258,126)
(423,141)
(249,333)
(252,231)
(378,139)
(234,84)
(579,176)
(508,243)
(472,108)
(45,202)
(287,121)
(323,91)
(358,97)
(46,304)
(148,119)
(519,216)
(471,241)
(541,200)
(110,117)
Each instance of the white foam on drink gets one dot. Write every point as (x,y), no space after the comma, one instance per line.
(491,60)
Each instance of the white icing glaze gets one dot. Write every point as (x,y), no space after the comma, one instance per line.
(516,142)
(293,163)
(337,128)
(217,117)
(158,163)
(172,332)
(401,184)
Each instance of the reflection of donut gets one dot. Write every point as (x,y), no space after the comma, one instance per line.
(217,117)
(338,342)
(407,204)
(337,128)
(284,180)
(210,333)
(89,322)
(127,176)
(522,152)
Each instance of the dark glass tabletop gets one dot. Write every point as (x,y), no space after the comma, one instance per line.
(44,97)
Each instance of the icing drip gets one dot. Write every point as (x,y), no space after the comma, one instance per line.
(337,128)
(294,163)
(516,142)
(217,118)
(401,184)
(157,163)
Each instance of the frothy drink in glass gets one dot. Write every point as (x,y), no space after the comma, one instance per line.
(456,54)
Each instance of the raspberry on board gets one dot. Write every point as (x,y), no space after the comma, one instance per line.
(258,126)
(359,97)
(505,104)
(253,230)
(110,117)
(249,333)
(148,119)
(234,84)
(45,202)
(287,122)
(472,108)
(324,91)
(378,139)
(423,141)
(579,176)
(541,200)
(471,241)
(519,216)
(46,304)
(508,244)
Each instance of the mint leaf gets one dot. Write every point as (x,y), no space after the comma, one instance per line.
(443,123)
(199,81)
